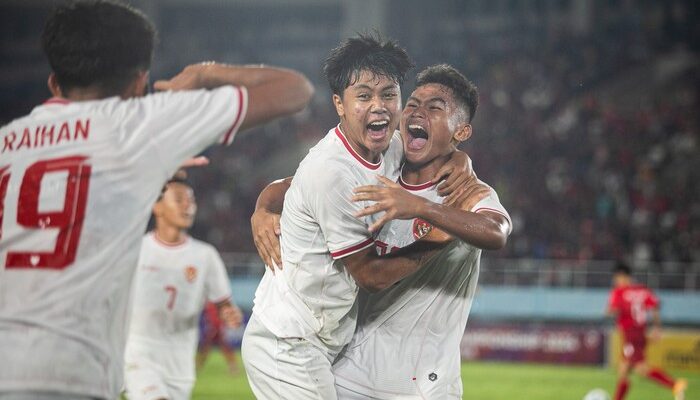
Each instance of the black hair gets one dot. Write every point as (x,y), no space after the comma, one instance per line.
(622,268)
(175,179)
(100,43)
(365,53)
(463,90)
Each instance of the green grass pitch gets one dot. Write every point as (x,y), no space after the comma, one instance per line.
(482,381)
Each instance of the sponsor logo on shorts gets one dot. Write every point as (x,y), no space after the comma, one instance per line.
(432,377)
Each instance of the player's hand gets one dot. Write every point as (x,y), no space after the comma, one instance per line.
(231,315)
(192,77)
(391,198)
(468,195)
(266,230)
(456,172)
(200,161)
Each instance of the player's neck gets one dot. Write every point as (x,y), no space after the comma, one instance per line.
(170,235)
(360,149)
(416,174)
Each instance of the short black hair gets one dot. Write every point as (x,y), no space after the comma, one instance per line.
(365,53)
(100,43)
(463,90)
(175,179)
(622,268)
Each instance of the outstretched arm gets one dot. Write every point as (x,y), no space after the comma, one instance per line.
(486,229)
(272,92)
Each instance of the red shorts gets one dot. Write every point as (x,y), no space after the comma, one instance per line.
(633,346)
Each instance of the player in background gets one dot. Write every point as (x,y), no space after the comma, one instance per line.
(213,332)
(408,336)
(304,313)
(176,274)
(78,178)
(631,304)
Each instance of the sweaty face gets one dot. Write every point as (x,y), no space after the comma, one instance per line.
(177,207)
(369,113)
(429,122)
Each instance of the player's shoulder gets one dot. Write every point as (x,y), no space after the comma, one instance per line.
(326,161)
(475,192)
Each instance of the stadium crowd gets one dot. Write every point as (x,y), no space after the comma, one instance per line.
(587,173)
(583,177)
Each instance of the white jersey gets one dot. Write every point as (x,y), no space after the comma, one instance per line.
(171,285)
(313,296)
(77,183)
(407,340)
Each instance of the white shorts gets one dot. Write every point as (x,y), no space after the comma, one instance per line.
(146,383)
(285,368)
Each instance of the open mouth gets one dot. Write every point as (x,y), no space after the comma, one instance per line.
(418,137)
(377,129)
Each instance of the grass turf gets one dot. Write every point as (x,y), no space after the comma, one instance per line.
(482,381)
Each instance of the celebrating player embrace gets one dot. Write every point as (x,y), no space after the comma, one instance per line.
(305,313)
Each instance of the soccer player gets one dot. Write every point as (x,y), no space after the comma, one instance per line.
(407,340)
(176,274)
(78,177)
(630,303)
(304,313)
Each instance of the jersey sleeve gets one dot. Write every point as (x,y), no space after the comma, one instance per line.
(174,126)
(345,234)
(217,285)
(491,203)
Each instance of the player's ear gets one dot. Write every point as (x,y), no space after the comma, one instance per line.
(158,207)
(53,85)
(463,133)
(338,103)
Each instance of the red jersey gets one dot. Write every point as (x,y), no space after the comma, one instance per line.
(632,303)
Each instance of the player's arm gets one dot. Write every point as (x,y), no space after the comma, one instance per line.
(485,229)
(265,222)
(613,308)
(373,272)
(272,92)
(229,313)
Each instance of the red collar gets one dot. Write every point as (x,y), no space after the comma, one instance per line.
(414,188)
(352,151)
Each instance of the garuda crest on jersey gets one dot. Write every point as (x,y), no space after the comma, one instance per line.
(190,273)
(421,228)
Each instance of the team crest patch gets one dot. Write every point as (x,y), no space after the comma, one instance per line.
(421,228)
(190,273)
